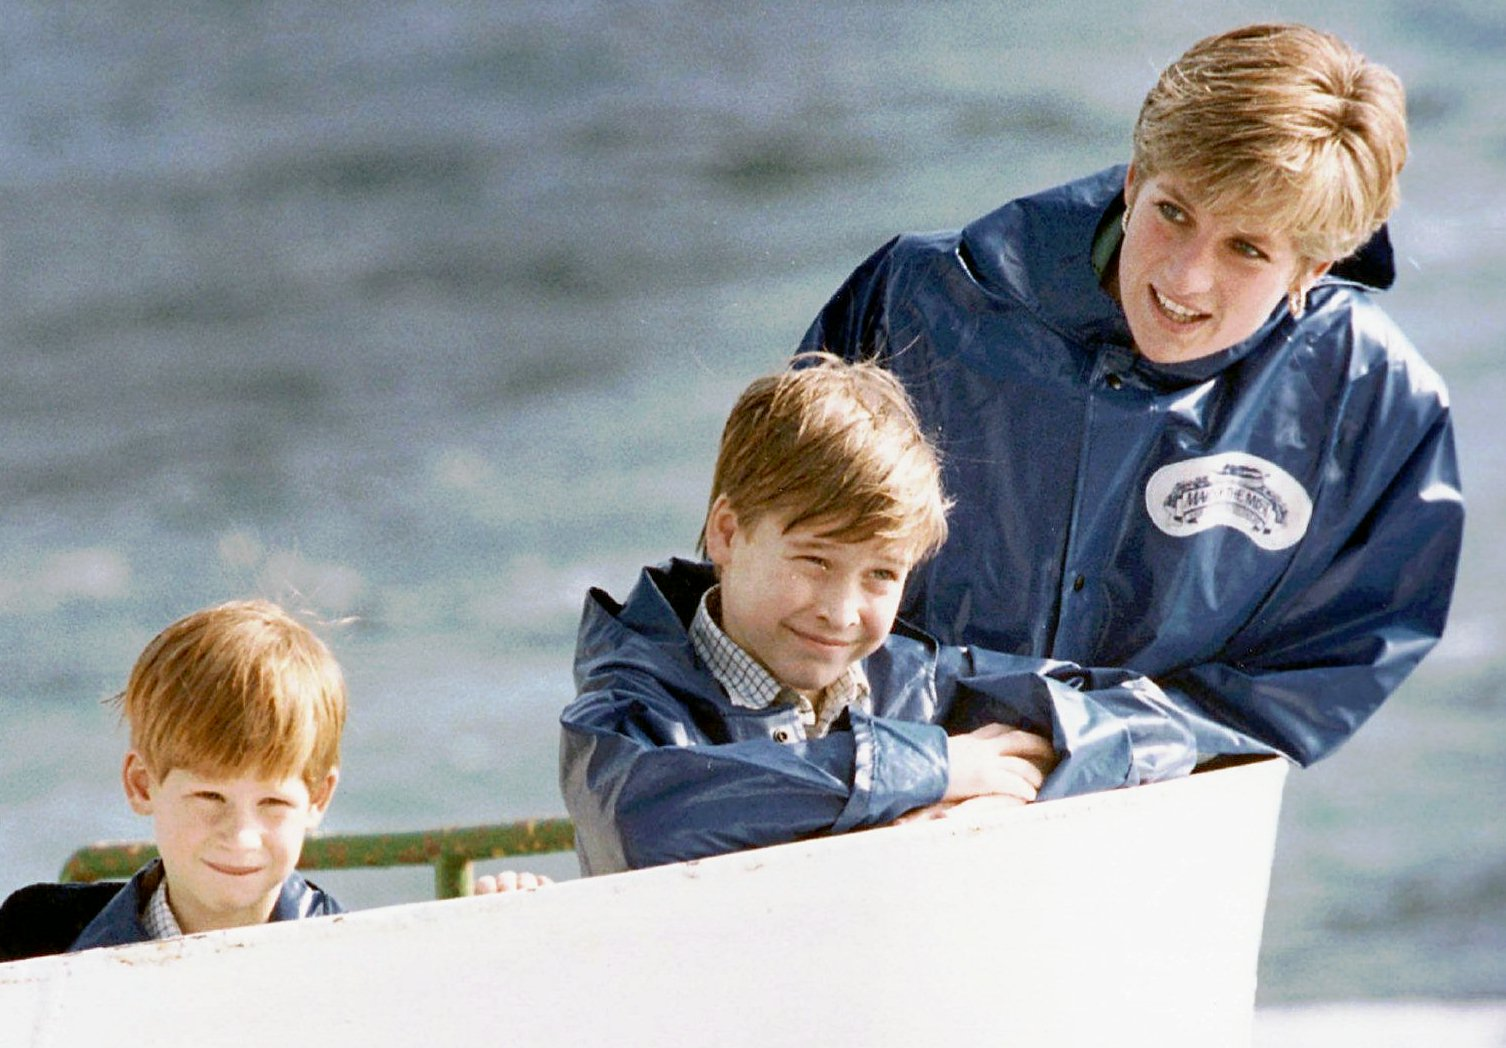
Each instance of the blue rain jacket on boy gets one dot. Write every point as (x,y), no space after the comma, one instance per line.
(657,765)
(1271,533)
(120,921)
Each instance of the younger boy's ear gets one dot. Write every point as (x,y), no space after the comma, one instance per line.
(322,794)
(137,779)
(721,526)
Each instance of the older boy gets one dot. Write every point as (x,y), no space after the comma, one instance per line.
(235,716)
(764,698)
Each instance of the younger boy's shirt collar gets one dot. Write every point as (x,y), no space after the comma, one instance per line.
(157,918)
(750,686)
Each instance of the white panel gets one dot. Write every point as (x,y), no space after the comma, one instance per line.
(1126,918)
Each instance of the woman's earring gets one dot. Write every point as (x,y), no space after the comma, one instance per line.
(1124,219)
(1296,301)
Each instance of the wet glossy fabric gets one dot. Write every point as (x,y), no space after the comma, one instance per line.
(657,765)
(119,923)
(1053,430)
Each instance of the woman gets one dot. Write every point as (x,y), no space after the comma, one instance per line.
(1181,436)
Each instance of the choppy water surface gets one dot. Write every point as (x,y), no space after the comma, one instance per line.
(427,316)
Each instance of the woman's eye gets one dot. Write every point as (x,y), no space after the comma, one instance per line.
(1170,211)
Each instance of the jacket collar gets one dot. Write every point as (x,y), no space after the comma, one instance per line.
(650,626)
(1038,250)
(120,921)
(649,634)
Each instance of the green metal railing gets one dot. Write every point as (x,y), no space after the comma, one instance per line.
(452,852)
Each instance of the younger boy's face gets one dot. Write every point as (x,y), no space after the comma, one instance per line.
(227,844)
(805,606)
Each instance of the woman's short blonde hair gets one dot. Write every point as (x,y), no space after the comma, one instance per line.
(238,689)
(838,445)
(1284,126)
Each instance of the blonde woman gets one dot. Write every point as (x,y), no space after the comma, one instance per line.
(1182,436)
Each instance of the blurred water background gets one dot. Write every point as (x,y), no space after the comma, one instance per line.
(426,316)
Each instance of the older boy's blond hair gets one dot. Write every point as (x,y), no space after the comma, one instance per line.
(1284,126)
(835,444)
(241,688)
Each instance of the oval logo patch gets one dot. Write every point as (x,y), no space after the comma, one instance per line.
(1231,490)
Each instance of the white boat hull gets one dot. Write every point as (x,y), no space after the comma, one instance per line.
(1126,918)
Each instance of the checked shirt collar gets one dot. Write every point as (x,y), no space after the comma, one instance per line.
(750,686)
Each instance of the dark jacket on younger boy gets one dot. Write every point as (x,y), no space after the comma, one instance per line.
(657,765)
(55,918)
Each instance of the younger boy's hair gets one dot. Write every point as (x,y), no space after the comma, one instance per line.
(836,444)
(240,688)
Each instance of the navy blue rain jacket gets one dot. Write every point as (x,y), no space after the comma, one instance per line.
(657,765)
(1271,533)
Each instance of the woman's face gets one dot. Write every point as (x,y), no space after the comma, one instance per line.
(1193,281)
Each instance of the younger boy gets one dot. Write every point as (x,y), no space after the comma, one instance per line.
(763,698)
(235,716)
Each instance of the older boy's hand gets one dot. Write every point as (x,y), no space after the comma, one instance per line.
(997,759)
(509,881)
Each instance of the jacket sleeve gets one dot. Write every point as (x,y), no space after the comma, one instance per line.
(1364,601)
(1109,727)
(645,786)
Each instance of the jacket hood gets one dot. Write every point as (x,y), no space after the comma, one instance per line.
(648,627)
(1038,251)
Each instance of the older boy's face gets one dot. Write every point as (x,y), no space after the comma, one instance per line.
(806,607)
(227,844)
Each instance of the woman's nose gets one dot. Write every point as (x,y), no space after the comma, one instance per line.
(1191,267)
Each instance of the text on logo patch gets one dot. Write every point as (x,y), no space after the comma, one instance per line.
(1233,490)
